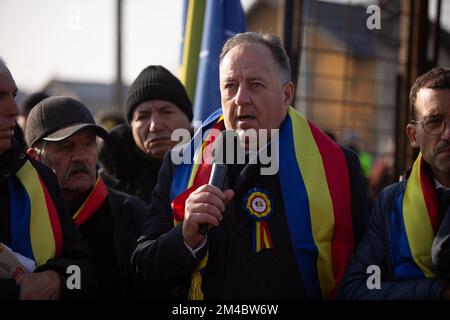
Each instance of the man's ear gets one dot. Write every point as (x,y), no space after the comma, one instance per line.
(33,154)
(411,133)
(288,91)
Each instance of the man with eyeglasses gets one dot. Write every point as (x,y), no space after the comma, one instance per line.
(397,258)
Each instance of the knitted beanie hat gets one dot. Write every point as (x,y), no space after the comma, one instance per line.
(157,83)
(31,101)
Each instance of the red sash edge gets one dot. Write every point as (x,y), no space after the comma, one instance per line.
(430,197)
(338,179)
(95,200)
(54,220)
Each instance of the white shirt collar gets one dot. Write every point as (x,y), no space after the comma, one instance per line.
(439,185)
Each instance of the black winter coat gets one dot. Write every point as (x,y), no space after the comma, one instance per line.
(128,216)
(375,250)
(125,167)
(233,270)
(440,252)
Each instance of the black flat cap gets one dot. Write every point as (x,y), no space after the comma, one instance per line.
(58,118)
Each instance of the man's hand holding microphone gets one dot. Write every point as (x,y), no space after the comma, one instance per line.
(205,206)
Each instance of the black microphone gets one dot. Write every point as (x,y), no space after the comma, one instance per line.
(219,168)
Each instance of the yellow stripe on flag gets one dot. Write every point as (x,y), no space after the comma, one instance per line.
(199,156)
(417,222)
(192,44)
(41,232)
(195,291)
(198,160)
(320,203)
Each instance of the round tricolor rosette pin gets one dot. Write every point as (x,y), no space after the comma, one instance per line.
(259,207)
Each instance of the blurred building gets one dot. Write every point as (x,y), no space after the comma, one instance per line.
(349,77)
(98,97)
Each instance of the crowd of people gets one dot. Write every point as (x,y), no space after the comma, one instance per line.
(138,225)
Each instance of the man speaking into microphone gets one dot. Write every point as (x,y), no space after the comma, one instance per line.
(284,235)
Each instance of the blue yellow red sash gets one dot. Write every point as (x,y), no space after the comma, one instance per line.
(188,177)
(92,202)
(35,227)
(413,225)
(315,185)
(316,194)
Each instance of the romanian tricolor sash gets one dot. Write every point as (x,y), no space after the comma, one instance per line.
(316,193)
(188,177)
(413,225)
(92,203)
(35,227)
(315,185)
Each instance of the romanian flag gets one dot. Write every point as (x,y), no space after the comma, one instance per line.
(191,44)
(209,23)
(223,19)
(316,194)
(35,227)
(414,223)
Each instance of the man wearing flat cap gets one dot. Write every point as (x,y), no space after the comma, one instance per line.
(156,105)
(62,134)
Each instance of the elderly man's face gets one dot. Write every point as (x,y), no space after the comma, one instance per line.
(253,96)
(8,111)
(152,126)
(73,161)
(433,104)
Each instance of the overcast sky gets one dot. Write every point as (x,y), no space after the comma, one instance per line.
(74,39)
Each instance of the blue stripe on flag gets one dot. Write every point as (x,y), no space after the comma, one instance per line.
(20,214)
(297,213)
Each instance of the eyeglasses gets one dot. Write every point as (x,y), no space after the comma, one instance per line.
(433,125)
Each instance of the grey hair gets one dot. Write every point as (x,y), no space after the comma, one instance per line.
(39,147)
(3,67)
(4,71)
(272,42)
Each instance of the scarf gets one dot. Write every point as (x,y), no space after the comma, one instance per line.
(413,225)
(92,202)
(35,227)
